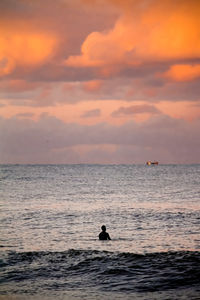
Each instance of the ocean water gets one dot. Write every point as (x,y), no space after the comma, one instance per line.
(51,215)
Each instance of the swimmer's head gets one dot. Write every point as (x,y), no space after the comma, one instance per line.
(103,227)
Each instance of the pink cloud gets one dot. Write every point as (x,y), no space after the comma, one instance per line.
(92,85)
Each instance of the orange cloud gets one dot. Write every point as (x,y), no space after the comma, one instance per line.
(146,31)
(183,72)
(92,85)
(23,47)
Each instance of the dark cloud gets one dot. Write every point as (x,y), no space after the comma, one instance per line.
(41,93)
(15,9)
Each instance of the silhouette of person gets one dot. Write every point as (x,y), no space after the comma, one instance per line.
(104,235)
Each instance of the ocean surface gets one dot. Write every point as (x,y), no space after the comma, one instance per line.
(51,216)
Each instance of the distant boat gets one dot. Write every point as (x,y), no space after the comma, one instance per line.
(149,163)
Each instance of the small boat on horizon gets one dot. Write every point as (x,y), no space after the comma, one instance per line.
(149,163)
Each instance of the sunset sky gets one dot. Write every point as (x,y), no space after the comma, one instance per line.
(99,81)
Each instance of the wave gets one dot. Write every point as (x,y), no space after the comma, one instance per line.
(112,271)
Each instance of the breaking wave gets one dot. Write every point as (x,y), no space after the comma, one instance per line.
(27,272)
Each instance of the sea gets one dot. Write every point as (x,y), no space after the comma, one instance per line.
(51,216)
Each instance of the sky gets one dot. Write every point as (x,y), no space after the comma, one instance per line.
(99,81)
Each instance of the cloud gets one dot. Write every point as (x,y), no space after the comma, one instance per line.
(92,85)
(144,33)
(91,113)
(135,109)
(25,115)
(17,85)
(36,36)
(86,62)
(182,72)
(23,46)
(51,141)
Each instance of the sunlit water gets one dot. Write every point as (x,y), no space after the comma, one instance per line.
(52,209)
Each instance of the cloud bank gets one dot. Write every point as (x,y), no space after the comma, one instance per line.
(52,141)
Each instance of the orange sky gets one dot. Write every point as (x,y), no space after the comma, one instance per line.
(108,73)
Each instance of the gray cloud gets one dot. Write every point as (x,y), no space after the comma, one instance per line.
(91,113)
(25,115)
(52,141)
(135,109)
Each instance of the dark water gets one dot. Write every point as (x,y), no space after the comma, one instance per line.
(50,218)
(99,271)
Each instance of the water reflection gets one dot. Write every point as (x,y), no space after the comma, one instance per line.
(63,207)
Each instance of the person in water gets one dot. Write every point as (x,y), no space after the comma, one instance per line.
(104,235)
